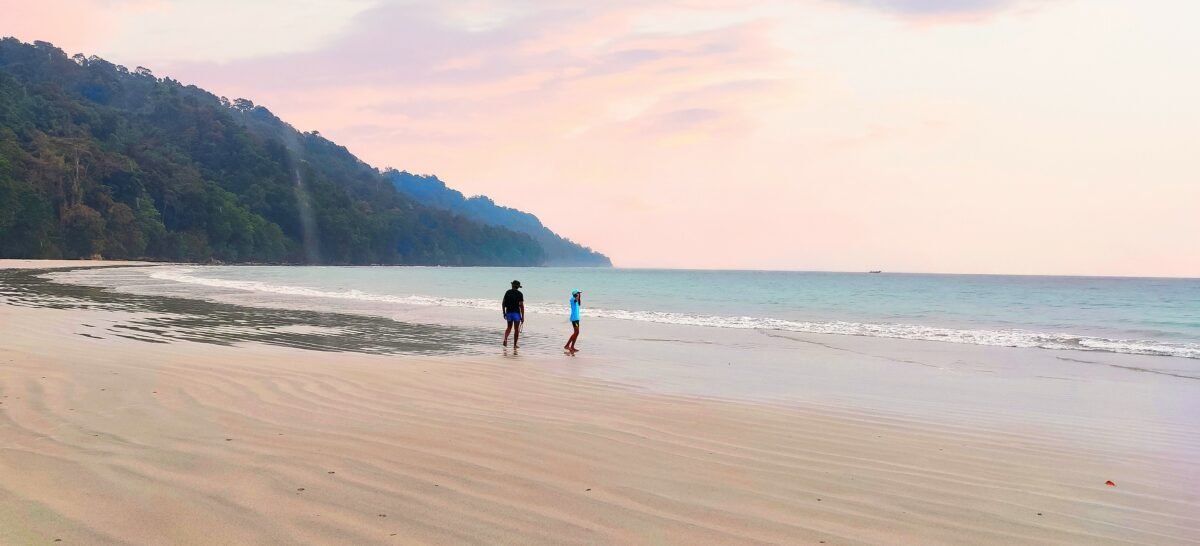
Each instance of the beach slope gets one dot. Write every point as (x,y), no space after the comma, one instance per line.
(107,439)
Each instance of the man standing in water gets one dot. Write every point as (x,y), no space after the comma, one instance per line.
(576,304)
(514,312)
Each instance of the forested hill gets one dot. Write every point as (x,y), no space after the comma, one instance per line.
(100,160)
(428,190)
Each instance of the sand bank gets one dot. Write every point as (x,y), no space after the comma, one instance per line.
(108,440)
(64,264)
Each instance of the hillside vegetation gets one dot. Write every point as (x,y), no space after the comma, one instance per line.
(100,160)
(430,191)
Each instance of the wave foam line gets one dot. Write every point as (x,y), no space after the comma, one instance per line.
(1001,338)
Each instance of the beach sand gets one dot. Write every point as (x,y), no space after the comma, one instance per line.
(66,264)
(109,440)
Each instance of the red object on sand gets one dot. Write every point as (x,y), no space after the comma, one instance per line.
(1110,483)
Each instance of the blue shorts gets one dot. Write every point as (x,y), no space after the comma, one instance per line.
(512,317)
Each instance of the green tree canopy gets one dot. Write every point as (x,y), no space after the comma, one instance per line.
(96,159)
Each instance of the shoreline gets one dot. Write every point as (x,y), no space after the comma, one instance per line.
(690,360)
(112,439)
(181,281)
(7,263)
(673,359)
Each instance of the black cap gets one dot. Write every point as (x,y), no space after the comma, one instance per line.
(516,284)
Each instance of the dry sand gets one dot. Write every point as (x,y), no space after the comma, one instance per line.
(114,441)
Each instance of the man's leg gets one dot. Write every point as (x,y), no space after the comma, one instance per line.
(516,334)
(506,332)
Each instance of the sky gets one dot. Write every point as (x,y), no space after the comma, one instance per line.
(968,136)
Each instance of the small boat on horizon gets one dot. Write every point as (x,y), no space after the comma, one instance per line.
(875,271)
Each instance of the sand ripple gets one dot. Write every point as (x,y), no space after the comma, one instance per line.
(113,441)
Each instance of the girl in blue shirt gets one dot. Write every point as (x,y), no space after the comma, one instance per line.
(576,304)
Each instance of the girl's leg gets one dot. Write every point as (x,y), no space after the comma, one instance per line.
(571,342)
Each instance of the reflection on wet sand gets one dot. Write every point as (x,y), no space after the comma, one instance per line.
(162,319)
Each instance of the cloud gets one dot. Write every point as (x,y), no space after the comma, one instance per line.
(429,43)
(426,67)
(686,119)
(938,10)
(934,7)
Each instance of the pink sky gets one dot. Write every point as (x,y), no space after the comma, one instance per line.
(1001,136)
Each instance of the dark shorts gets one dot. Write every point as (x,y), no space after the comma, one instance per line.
(575,323)
(512,317)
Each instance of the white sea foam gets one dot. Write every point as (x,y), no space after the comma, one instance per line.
(1003,338)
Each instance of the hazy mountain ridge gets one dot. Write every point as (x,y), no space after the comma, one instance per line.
(96,159)
(431,191)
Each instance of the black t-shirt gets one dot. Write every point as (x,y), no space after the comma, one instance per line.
(512,301)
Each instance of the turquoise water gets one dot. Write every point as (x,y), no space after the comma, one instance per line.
(1125,315)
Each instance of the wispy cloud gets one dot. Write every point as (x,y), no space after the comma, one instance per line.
(934,7)
(421,65)
(941,11)
(686,119)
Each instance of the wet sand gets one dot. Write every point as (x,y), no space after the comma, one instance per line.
(119,440)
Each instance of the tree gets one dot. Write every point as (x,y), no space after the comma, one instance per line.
(83,229)
(154,235)
(125,238)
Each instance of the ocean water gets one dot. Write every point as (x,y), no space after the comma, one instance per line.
(1119,315)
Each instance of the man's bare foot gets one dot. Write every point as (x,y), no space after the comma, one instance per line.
(505,344)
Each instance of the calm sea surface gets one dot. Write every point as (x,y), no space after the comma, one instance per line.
(1124,315)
